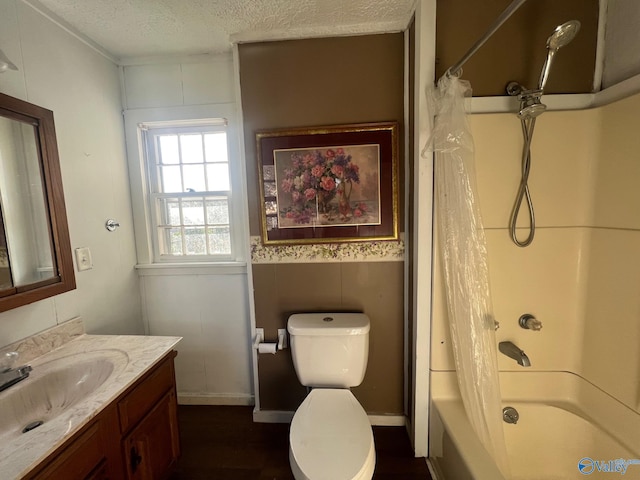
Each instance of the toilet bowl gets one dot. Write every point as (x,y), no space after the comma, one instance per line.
(331,438)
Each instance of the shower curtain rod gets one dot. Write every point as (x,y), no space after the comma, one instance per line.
(504,16)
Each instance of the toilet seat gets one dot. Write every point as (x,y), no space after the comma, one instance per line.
(331,438)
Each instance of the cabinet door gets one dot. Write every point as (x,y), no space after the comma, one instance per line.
(79,460)
(152,448)
(100,473)
(147,393)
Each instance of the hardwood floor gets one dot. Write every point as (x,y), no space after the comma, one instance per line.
(220,443)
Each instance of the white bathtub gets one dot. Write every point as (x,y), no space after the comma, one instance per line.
(564,421)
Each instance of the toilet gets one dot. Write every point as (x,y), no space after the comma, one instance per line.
(330,436)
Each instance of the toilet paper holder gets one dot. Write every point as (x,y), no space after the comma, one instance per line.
(282,339)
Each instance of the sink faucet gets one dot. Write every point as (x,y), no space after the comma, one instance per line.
(10,376)
(512,351)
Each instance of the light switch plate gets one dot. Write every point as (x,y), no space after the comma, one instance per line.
(83,259)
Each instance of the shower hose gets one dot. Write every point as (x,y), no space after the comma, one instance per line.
(528,125)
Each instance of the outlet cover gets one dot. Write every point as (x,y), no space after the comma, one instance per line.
(83,259)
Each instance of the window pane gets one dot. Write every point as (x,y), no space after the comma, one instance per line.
(215,145)
(194,240)
(169,149)
(219,240)
(189,220)
(171,241)
(193,212)
(170,179)
(169,209)
(218,211)
(191,148)
(193,178)
(218,177)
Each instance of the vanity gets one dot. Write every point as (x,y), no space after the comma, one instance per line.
(94,407)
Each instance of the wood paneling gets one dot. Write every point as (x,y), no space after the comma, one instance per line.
(373,288)
(327,81)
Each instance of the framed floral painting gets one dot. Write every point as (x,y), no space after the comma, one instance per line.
(329,184)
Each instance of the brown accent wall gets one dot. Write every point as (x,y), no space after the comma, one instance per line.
(314,82)
(518,49)
(373,288)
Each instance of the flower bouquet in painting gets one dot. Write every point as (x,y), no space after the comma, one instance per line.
(328,186)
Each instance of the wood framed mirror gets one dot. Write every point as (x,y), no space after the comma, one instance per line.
(35,250)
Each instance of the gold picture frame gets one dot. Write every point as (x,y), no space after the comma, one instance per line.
(329,184)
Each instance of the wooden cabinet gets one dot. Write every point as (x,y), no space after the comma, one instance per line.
(135,437)
(83,458)
(152,448)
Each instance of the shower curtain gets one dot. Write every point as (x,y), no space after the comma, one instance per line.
(463,256)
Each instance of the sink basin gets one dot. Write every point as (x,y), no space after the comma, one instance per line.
(53,387)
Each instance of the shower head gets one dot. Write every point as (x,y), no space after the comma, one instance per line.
(561,36)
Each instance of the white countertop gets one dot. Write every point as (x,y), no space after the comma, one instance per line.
(132,356)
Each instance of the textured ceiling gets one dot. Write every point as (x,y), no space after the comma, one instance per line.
(133,28)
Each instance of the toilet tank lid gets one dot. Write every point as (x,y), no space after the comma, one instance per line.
(328,324)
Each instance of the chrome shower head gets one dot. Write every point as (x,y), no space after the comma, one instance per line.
(561,36)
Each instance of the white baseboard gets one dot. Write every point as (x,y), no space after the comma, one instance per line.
(388,420)
(214,399)
(279,416)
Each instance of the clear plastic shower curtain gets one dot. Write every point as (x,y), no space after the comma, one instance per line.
(463,256)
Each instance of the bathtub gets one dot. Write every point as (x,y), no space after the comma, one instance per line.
(564,421)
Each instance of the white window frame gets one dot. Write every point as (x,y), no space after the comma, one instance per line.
(136,122)
(150,133)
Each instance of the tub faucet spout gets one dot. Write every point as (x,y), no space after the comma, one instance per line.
(512,351)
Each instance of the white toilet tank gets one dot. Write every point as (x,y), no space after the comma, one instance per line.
(329,349)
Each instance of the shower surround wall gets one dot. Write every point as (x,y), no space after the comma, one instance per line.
(581,275)
(611,341)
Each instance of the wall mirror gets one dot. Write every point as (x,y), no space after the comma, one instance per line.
(35,251)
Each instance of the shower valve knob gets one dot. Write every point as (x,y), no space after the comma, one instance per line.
(530,322)
(111,225)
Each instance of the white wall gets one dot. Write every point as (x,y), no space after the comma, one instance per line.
(82,88)
(206,305)
(210,312)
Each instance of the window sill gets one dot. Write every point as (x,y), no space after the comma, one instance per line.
(196,268)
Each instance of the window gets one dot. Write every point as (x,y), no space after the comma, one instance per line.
(189,180)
